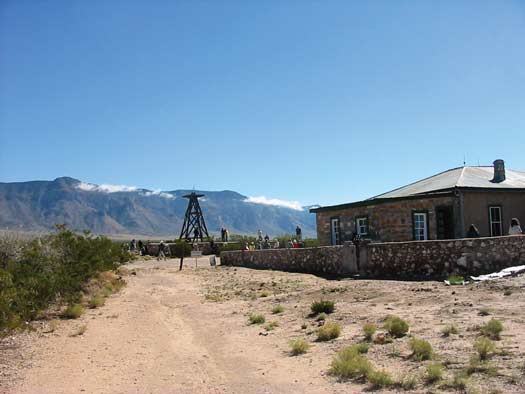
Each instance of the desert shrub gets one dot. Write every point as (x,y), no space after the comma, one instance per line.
(321,317)
(180,248)
(380,378)
(507,292)
(421,349)
(455,279)
(264,294)
(459,381)
(56,267)
(408,382)
(299,346)
(449,330)
(492,329)
(256,318)
(396,326)
(369,329)
(328,331)
(73,311)
(348,364)
(79,331)
(361,348)
(484,347)
(478,365)
(277,309)
(434,372)
(271,326)
(96,301)
(322,306)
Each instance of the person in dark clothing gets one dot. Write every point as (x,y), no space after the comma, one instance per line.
(298,232)
(472,232)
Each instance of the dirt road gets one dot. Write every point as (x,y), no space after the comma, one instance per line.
(187,332)
(158,336)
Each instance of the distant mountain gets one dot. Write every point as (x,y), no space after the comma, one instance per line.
(111,210)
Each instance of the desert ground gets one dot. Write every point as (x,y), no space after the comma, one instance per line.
(171,331)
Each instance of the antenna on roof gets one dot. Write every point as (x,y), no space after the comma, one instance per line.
(464,160)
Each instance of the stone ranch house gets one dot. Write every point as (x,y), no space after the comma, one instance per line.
(442,206)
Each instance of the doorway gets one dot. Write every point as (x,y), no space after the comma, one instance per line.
(445,222)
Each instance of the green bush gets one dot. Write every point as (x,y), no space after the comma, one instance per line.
(311,243)
(484,347)
(73,311)
(52,268)
(492,329)
(322,306)
(96,301)
(396,326)
(271,326)
(421,349)
(434,372)
(348,364)
(328,331)
(299,346)
(408,382)
(369,329)
(380,379)
(256,318)
(455,279)
(321,317)
(277,309)
(449,330)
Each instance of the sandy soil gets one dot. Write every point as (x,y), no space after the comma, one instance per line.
(187,332)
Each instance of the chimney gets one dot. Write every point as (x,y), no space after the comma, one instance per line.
(499,171)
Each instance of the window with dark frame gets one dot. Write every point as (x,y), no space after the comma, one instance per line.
(361,224)
(496,225)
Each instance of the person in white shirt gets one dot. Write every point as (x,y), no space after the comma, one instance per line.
(515,227)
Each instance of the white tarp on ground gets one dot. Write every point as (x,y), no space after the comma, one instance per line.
(496,275)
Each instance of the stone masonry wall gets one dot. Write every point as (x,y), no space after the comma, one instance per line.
(437,259)
(402,260)
(322,260)
(387,222)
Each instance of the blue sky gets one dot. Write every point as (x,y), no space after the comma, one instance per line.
(311,101)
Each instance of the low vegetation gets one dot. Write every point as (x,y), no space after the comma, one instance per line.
(54,268)
(349,364)
(396,326)
(434,372)
(492,329)
(449,330)
(271,326)
(380,379)
(421,349)
(79,331)
(299,346)
(256,318)
(328,331)
(322,306)
(485,347)
(369,330)
(73,311)
(96,301)
(277,309)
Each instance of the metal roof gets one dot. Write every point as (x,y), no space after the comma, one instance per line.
(478,177)
(461,177)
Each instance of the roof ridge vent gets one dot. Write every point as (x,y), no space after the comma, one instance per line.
(499,171)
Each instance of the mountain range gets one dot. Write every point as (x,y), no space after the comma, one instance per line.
(121,210)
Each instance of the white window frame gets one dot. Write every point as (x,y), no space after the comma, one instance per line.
(492,221)
(417,229)
(335,231)
(360,224)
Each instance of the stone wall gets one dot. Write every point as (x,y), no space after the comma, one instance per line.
(321,260)
(401,260)
(387,221)
(437,259)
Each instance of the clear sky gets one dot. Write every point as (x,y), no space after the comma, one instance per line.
(312,101)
